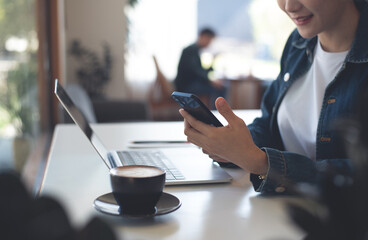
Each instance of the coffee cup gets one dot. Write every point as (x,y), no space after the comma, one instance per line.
(137,188)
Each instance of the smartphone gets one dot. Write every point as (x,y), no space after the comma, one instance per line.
(195,107)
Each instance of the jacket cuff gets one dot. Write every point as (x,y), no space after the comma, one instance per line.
(274,183)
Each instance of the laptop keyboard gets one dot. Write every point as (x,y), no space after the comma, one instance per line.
(151,158)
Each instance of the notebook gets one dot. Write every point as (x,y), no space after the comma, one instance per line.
(183,165)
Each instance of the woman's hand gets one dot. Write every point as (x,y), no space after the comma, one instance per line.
(231,143)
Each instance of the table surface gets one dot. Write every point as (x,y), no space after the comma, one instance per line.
(75,175)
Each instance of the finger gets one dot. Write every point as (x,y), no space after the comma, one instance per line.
(214,156)
(188,128)
(217,158)
(206,152)
(225,110)
(192,140)
(187,131)
(194,123)
(193,135)
(186,124)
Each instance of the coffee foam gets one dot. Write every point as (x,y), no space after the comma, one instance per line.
(136,171)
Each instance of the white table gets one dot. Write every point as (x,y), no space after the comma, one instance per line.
(75,175)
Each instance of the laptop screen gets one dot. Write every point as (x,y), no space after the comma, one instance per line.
(79,118)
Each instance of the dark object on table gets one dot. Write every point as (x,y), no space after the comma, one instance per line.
(23,217)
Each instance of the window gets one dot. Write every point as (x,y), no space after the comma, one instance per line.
(161,28)
(251,36)
(29,63)
(19,108)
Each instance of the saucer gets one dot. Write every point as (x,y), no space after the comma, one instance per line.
(106,204)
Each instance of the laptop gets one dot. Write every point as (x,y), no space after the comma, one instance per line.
(183,165)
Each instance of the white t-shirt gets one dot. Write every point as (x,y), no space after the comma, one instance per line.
(299,111)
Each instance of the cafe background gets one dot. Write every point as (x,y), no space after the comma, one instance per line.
(107,47)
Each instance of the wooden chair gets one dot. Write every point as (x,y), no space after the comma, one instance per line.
(246,93)
(162,106)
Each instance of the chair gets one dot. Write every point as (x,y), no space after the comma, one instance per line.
(246,93)
(162,106)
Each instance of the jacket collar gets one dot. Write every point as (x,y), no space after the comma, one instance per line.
(359,49)
(302,43)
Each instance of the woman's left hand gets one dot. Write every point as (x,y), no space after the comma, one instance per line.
(231,143)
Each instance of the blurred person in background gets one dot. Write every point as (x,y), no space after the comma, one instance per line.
(191,76)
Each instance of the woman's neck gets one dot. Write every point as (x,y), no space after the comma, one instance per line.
(341,37)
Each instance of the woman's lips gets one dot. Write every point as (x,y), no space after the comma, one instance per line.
(302,20)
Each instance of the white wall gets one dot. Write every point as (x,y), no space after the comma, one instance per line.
(94,22)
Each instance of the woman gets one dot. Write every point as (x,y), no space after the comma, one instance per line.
(324,63)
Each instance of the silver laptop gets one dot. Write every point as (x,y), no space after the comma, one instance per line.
(182,165)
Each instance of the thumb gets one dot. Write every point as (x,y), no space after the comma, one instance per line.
(225,110)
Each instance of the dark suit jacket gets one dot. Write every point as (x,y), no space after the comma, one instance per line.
(190,69)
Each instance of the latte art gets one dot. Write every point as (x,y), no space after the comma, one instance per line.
(136,171)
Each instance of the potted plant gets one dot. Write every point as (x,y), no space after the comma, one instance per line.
(94,73)
(18,101)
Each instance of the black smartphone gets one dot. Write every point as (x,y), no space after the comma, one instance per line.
(195,107)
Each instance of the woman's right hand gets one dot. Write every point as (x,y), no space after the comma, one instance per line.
(232,143)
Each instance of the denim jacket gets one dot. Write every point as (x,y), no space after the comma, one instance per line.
(339,102)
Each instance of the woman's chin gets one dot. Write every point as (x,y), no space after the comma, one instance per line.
(306,34)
